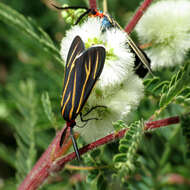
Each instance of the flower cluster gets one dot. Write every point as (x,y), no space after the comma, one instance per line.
(118,88)
(165,26)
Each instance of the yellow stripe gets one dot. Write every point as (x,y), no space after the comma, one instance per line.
(72,66)
(73,98)
(62,101)
(84,86)
(97,60)
(66,103)
(72,54)
(62,94)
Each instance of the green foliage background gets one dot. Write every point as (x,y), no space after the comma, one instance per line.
(31,74)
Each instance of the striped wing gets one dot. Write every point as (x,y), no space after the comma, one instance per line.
(86,70)
(76,48)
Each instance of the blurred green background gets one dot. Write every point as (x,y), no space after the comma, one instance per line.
(27,71)
(21,59)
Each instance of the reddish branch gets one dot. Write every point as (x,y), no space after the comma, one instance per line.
(162,123)
(41,169)
(92,4)
(52,160)
(137,15)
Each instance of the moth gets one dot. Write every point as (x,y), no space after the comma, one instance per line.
(142,62)
(82,70)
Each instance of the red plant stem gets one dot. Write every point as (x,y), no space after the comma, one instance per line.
(60,163)
(92,4)
(46,165)
(137,16)
(40,171)
(162,123)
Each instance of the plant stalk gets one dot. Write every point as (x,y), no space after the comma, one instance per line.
(52,160)
(92,4)
(141,10)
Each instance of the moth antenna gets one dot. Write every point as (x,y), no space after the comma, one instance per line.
(81,16)
(70,7)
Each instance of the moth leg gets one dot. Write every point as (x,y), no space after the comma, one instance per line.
(94,118)
(93,108)
(75,144)
(81,16)
(86,120)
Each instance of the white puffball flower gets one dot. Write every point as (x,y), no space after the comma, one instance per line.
(119,59)
(90,29)
(124,99)
(118,88)
(166,26)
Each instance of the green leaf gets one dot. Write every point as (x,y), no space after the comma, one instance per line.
(118,125)
(26,103)
(4,112)
(123,148)
(47,108)
(95,153)
(155,85)
(175,87)
(92,176)
(158,89)
(7,155)
(101,183)
(123,141)
(121,157)
(125,162)
(28,27)
(185,121)
(150,83)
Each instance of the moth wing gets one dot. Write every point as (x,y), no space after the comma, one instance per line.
(92,63)
(88,68)
(76,48)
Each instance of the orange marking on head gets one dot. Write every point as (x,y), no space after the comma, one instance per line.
(96,13)
(99,14)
